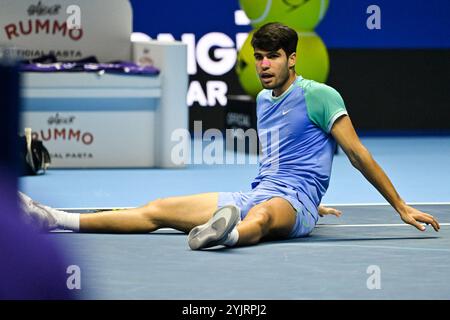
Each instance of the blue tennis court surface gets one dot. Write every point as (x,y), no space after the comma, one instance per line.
(368,253)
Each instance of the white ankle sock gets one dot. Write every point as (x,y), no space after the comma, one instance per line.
(233,238)
(71,221)
(66,220)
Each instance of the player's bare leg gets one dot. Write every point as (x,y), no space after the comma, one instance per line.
(181,213)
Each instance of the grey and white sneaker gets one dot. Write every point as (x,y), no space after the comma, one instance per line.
(43,217)
(216,230)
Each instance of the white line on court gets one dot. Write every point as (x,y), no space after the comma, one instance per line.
(82,209)
(371,204)
(370,225)
(368,246)
(353,225)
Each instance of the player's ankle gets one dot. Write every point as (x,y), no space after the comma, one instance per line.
(66,220)
(232,238)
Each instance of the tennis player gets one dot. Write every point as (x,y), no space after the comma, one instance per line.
(307,119)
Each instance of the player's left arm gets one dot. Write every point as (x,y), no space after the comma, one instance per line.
(345,135)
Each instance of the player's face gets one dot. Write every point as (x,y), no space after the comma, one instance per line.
(273,68)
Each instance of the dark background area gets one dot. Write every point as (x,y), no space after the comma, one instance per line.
(394,89)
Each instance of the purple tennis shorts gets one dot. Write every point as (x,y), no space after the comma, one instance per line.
(305,221)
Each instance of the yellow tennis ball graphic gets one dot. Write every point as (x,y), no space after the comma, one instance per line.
(312,62)
(297,14)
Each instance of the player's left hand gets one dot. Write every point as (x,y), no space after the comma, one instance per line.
(323,211)
(414,217)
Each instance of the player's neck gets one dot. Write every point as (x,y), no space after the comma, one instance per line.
(276,92)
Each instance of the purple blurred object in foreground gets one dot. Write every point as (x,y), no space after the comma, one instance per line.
(31,267)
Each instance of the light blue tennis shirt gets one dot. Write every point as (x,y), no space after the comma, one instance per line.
(297,148)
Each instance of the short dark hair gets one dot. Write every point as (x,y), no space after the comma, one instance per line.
(274,36)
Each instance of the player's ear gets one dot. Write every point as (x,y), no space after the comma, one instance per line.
(292,60)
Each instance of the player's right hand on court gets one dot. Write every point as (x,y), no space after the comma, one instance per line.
(415,217)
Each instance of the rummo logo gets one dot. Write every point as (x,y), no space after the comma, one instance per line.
(58,130)
(66,134)
(43,19)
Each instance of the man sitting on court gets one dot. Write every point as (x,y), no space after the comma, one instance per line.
(284,202)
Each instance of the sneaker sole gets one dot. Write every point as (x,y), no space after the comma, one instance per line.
(215,230)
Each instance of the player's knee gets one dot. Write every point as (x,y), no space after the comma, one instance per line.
(153,208)
(155,204)
(262,218)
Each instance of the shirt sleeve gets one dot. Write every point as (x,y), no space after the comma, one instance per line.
(325,105)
